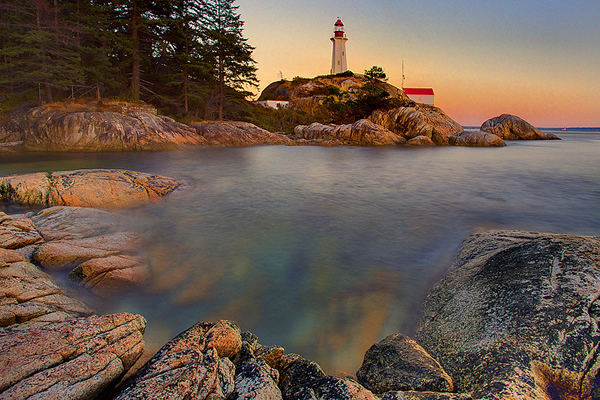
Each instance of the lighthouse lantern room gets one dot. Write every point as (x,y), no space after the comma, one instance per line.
(339,39)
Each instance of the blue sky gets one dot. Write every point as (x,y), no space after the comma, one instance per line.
(536,59)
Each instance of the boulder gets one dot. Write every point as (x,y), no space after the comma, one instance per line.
(235,134)
(107,188)
(187,367)
(476,139)
(75,359)
(511,127)
(399,363)
(29,298)
(418,120)
(517,316)
(361,133)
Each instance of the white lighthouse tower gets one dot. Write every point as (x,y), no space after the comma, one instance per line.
(339,39)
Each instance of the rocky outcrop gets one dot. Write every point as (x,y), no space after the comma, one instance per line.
(76,359)
(476,139)
(399,363)
(360,133)
(517,316)
(107,188)
(90,243)
(48,128)
(236,134)
(51,346)
(511,127)
(29,298)
(419,120)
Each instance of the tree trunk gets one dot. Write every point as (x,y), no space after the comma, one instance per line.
(135,64)
(221,88)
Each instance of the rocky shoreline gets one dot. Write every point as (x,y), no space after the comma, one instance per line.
(516,317)
(52,128)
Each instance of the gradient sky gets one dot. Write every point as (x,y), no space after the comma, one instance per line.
(536,59)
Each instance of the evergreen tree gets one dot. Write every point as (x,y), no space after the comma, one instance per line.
(38,48)
(225,49)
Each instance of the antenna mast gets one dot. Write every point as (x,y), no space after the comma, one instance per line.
(402,75)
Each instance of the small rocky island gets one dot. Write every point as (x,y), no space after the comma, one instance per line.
(102,125)
(516,317)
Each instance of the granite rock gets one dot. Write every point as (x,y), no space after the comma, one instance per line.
(476,139)
(29,298)
(517,316)
(188,366)
(419,120)
(361,133)
(236,134)
(399,363)
(75,359)
(103,188)
(511,127)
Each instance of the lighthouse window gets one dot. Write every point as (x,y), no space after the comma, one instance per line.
(342,53)
(338,63)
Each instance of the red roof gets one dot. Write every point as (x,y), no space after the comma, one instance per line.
(339,23)
(419,91)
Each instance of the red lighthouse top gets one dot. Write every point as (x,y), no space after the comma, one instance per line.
(338,28)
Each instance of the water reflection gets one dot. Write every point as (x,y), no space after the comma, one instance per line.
(327,250)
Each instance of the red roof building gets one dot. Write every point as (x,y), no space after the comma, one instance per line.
(420,95)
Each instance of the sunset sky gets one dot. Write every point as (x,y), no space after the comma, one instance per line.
(536,59)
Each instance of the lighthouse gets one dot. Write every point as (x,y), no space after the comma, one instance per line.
(339,39)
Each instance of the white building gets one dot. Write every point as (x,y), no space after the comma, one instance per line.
(420,95)
(273,103)
(339,39)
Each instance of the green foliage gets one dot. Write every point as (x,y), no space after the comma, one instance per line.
(280,120)
(370,98)
(298,81)
(175,54)
(376,73)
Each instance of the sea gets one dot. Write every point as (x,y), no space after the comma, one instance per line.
(327,250)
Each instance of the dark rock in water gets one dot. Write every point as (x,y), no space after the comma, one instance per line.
(476,139)
(419,120)
(413,395)
(552,136)
(236,134)
(517,316)
(107,188)
(399,363)
(296,379)
(305,380)
(75,359)
(511,127)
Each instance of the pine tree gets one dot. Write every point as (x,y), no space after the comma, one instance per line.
(225,48)
(38,48)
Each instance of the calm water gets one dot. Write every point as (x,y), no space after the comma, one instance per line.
(327,250)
